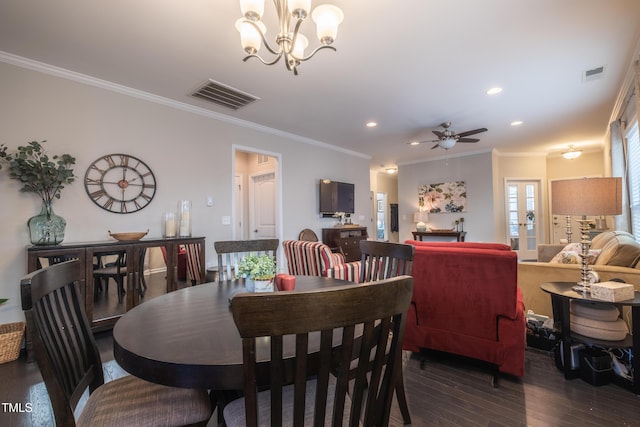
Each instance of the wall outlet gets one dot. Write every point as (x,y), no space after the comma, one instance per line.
(209,201)
(226,220)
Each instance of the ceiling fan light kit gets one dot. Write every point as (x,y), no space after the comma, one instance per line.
(448,139)
(291,44)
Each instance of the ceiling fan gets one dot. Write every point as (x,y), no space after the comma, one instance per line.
(448,138)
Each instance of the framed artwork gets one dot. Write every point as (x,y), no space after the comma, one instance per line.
(443,197)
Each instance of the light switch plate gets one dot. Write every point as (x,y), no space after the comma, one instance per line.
(226,220)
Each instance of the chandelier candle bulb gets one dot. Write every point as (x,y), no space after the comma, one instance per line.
(252,9)
(327,18)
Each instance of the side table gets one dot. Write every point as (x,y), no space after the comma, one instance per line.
(459,235)
(561,296)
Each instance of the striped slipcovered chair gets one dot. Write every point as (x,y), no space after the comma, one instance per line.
(316,259)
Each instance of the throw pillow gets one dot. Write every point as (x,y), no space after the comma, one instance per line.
(573,257)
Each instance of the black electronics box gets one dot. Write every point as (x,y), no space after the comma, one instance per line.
(595,366)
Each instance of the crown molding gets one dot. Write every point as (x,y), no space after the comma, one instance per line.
(63,73)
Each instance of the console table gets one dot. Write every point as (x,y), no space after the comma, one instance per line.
(86,252)
(459,235)
(561,296)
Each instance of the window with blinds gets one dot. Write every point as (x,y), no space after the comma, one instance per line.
(633,149)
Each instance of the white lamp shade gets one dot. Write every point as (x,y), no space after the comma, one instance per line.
(327,18)
(420,217)
(252,9)
(250,37)
(301,44)
(299,8)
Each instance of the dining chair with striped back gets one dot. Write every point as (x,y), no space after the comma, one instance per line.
(69,360)
(382,260)
(342,372)
(231,252)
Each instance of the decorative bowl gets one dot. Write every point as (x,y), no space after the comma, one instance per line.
(135,235)
(440,230)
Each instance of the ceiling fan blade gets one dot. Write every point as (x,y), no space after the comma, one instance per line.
(435,146)
(468,140)
(438,133)
(471,132)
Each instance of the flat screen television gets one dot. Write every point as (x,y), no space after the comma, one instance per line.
(336,197)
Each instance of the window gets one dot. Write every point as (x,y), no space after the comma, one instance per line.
(633,150)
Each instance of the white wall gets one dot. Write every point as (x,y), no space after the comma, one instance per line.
(475,170)
(190,154)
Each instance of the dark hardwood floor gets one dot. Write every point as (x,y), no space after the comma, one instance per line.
(450,391)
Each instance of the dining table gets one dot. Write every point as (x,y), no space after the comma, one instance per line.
(187,338)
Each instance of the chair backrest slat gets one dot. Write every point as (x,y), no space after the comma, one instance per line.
(231,252)
(360,328)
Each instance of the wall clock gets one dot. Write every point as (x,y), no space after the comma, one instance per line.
(120,183)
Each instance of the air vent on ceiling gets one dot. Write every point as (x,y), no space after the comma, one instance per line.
(593,74)
(224,95)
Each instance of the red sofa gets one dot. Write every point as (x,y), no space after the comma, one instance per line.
(466,301)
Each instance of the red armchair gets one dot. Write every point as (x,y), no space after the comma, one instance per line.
(466,301)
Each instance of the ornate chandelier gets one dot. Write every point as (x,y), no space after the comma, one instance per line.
(290,44)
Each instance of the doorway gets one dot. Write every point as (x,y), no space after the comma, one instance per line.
(257,211)
(523,213)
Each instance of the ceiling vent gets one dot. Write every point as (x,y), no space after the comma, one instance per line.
(224,95)
(593,74)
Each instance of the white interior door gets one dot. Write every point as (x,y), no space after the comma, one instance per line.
(523,213)
(263,209)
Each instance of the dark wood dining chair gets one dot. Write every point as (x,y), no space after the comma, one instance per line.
(382,260)
(116,270)
(317,388)
(69,360)
(231,252)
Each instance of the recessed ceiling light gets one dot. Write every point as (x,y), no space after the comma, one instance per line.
(516,123)
(391,170)
(372,124)
(414,143)
(494,90)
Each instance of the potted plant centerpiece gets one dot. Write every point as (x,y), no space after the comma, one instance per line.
(258,271)
(46,176)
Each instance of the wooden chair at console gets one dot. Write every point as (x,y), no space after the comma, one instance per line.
(231,252)
(303,390)
(382,260)
(116,270)
(308,235)
(69,360)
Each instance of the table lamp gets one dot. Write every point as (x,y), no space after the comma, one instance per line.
(586,196)
(420,218)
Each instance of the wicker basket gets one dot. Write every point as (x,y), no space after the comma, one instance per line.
(10,341)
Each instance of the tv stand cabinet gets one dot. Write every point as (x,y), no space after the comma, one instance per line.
(345,239)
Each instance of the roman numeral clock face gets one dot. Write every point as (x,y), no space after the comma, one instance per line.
(120,183)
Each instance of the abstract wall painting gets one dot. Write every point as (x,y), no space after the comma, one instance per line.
(443,197)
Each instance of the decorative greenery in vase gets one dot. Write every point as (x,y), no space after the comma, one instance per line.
(46,176)
(259,272)
(257,267)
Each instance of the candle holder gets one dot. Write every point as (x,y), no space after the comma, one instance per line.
(184,218)
(169,224)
